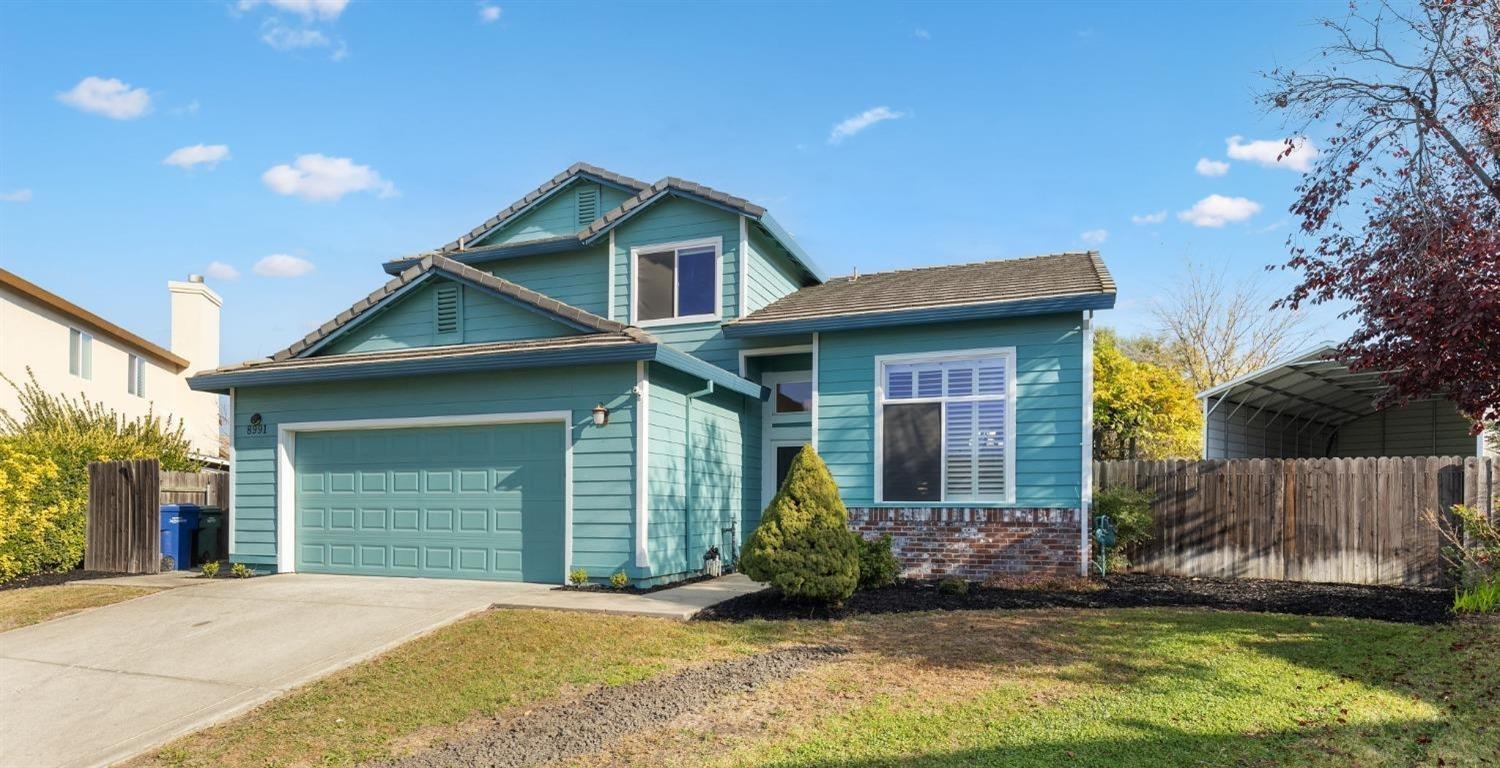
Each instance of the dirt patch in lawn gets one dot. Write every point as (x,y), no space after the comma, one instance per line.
(19,608)
(1400,604)
(60,577)
(588,724)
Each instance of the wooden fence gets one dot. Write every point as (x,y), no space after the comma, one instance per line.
(1361,521)
(123,531)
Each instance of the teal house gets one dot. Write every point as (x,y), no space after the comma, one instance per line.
(614,375)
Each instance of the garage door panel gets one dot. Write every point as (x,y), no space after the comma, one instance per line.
(464,502)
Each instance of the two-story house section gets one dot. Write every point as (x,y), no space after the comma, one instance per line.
(613,375)
(78,354)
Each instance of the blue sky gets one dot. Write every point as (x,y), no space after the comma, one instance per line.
(356,133)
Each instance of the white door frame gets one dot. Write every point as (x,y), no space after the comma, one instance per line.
(286,463)
(768,446)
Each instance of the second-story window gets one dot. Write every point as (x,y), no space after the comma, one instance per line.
(136,381)
(80,354)
(677,281)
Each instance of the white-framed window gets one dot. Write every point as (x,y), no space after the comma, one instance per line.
(80,354)
(676,282)
(135,382)
(945,426)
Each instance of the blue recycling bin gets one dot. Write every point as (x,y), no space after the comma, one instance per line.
(178,522)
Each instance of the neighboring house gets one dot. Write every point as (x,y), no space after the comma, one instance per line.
(75,352)
(1310,405)
(614,375)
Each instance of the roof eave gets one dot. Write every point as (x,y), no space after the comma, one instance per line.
(782,237)
(923,315)
(221,381)
(492,253)
(95,323)
(692,366)
(1321,350)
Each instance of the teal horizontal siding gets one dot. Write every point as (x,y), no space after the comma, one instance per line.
(670,221)
(603,457)
(556,217)
(769,272)
(687,517)
(573,277)
(1048,406)
(410,322)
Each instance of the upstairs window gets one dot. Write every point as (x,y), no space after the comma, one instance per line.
(135,382)
(678,282)
(946,424)
(80,354)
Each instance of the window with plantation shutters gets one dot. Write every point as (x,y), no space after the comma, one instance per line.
(946,427)
(447,310)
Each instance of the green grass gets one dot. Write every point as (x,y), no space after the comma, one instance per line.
(1481,598)
(1090,688)
(32,605)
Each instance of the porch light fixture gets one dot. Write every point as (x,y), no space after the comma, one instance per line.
(601,415)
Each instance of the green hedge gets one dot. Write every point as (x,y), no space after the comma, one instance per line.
(41,523)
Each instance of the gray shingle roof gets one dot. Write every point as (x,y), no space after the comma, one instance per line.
(988,282)
(450,351)
(573,171)
(464,273)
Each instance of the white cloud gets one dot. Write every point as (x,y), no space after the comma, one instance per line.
(218,270)
(282,265)
(922,34)
(190,108)
(18,196)
(108,97)
(307,9)
(1095,236)
(1207,167)
(1149,218)
(1218,210)
(489,14)
(862,121)
(319,177)
(285,38)
(188,158)
(1265,151)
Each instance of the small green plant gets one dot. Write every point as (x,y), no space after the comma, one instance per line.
(1471,546)
(1128,511)
(1481,598)
(241,571)
(619,580)
(211,569)
(953,585)
(877,564)
(802,546)
(578,577)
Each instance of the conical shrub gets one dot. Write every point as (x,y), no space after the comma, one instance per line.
(803,546)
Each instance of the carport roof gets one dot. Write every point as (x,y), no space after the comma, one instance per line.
(1311,385)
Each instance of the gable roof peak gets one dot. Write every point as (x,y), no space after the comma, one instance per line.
(562,179)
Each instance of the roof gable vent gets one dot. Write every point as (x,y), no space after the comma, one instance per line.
(588,205)
(447,309)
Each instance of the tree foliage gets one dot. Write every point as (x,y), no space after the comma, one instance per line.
(47,447)
(803,546)
(1141,410)
(1401,214)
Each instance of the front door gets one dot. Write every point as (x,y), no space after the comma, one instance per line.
(786,427)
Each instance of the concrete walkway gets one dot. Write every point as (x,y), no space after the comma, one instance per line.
(103,685)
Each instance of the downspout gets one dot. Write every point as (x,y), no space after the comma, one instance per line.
(687,471)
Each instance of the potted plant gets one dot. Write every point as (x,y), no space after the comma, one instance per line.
(713,565)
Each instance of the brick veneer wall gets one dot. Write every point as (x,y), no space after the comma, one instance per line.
(976,543)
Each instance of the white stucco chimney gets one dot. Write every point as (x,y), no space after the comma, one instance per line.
(195,336)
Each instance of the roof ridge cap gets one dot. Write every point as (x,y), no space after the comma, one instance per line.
(980,263)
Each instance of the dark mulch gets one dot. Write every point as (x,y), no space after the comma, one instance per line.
(1401,604)
(632,590)
(61,577)
(567,729)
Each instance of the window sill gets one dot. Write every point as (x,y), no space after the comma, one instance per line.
(687,320)
(941,504)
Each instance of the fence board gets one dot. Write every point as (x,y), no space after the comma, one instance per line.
(1361,521)
(123,528)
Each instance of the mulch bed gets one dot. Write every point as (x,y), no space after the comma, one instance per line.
(631,590)
(568,729)
(1400,604)
(61,577)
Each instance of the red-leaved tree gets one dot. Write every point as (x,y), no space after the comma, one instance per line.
(1401,213)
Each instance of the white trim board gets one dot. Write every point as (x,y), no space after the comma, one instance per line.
(1086,488)
(286,462)
(877,467)
(234,471)
(609,282)
(742,271)
(768,445)
(642,454)
(718,314)
(795,349)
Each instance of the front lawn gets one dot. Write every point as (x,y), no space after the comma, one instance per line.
(1103,687)
(31,605)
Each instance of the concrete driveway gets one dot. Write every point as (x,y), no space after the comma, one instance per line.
(106,684)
